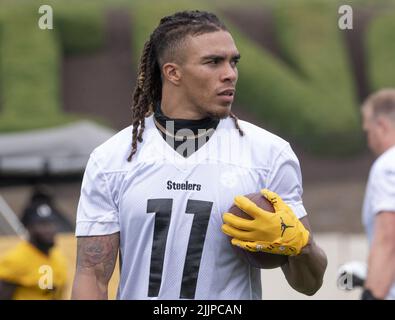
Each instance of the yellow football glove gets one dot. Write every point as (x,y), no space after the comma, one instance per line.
(280,232)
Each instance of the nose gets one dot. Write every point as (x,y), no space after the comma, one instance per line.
(229,74)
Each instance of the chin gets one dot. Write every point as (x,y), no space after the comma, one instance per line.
(220,112)
(49,243)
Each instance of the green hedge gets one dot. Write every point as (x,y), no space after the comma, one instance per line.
(1,42)
(80,26)
(308,33)
(30,65)
(380,48)
(30,61)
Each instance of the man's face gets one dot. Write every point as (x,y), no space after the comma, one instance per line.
(43,232)
(373,131)
(209,73)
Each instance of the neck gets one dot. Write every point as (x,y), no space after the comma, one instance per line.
(175,106)
(388,142)
(177,124)
(43,247)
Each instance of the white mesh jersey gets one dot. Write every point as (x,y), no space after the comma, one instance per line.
(168,209)
(380,195)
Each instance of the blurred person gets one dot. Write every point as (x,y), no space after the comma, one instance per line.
(35,269)
(157,195)
(378,112)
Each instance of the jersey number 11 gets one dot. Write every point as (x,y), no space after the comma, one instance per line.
(162,209)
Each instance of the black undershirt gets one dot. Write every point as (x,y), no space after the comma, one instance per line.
(177,124)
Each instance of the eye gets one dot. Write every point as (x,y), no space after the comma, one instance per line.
(234,62)
(214,61)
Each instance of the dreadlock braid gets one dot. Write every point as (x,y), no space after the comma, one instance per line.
(163,42)
(137,119)
(235,119)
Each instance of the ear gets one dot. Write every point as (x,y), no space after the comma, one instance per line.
(172,72)
(383,125)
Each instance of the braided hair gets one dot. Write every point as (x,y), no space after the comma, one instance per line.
(164,42)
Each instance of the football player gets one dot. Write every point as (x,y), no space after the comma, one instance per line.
(156,192)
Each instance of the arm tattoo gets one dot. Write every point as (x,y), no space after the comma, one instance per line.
(98,253)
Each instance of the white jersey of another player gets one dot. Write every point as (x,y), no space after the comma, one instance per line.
(168,209)
(380,195)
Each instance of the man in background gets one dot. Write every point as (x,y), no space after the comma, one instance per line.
(378,113)
(35,269)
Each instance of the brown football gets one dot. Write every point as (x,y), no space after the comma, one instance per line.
(260,260)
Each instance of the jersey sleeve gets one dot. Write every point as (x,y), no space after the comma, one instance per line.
(97,213)
(285,178)
(15,266)
(383,191)
(9,269)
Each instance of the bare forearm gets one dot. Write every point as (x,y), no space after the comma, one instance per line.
(381,269)
(305,272)
(381,262)
(86,287)
(96,258)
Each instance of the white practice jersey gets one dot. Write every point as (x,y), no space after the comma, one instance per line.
(380,195)
(168,209)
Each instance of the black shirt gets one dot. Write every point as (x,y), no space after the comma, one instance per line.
(185,142)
